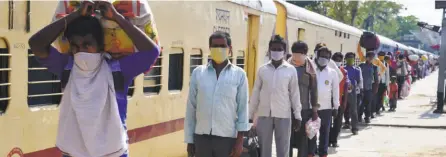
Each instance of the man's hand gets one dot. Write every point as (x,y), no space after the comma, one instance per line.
(238,147)
(191,149)
(107,10)
(335,113)
(297,124)
(86,8)
(314,116)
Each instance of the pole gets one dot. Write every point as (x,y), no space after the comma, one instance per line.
(442,68)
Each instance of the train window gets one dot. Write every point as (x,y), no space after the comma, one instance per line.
(44,88)
(4,76)
(336,33)
(301,34)
(241,60)
(345,35)
(131,89)
(176,63)
(152,79)
(348,36)
(196,59)
(340,34)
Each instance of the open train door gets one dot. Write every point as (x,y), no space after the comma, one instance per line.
(251,52)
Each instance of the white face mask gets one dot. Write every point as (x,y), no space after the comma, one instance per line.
(88,61)
(322,61)
(277,55)
(338,64)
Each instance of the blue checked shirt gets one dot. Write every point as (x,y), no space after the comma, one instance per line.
(217,107)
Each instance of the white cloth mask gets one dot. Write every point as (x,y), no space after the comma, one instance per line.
(322,61)
(277,55)
(88,61)
(338,64)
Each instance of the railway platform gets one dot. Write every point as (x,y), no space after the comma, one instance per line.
(412,131)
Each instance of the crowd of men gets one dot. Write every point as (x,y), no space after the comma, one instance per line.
(288,92)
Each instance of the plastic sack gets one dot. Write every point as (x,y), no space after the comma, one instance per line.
(386,99)
(312,127)
(138,12)
(414,58)
(405,89)
(424,57)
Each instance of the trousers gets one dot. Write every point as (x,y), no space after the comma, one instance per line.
(300,139)
(379,97)
(281,127)
(352,111)
(213,146)
(324,131)
(366,105)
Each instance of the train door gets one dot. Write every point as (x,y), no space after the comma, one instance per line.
(251,53)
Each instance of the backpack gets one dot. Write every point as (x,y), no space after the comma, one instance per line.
(369,41)
(138,12)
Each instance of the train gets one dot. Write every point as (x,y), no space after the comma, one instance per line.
(29,94)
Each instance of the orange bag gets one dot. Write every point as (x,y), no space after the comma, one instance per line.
(116,40)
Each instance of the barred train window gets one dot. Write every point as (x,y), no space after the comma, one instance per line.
(176,64)
(4,76)
(44,88)
(241,60)
(196,59)
(152,79)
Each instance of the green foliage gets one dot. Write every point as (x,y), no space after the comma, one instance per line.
(378,16)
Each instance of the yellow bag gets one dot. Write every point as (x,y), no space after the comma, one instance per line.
(115,39)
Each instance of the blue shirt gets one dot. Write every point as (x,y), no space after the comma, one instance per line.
(217,107)
(353,75)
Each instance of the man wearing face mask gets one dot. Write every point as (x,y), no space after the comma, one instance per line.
(217,106)
(370,82)
(384,80)
(402,72)
(275,97)
(355,77)
(95,86)
(344,88)
(331,63)
(308,98)
(328,96)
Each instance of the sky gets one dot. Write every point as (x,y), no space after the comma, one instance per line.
(423,9)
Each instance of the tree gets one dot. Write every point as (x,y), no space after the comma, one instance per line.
(378,16)
(406,24)
(373,12)
(354,6)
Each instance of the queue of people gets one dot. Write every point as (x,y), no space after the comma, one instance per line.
(290,91)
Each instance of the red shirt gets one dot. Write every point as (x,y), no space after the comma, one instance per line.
(393,90)
(342,84)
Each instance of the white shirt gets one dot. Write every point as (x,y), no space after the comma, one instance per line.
(332,65)
(327,87)
(385,77)
(276,92)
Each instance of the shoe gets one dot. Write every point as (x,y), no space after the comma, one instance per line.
(372,116)
(359,120)
(378,113)
(355,132)
(334,145)
(346,126)
(367,120)
(323,155)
